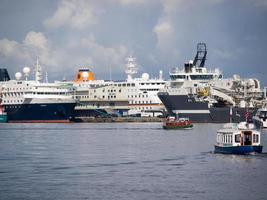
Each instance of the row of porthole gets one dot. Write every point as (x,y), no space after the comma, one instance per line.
(12,101)
(132,96)
(12,106)
(139,102)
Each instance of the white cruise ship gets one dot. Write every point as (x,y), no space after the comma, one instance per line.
(135,96)
(34,101)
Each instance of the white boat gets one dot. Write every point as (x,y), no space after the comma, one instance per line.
(238,139)
(260,119)
(35,101)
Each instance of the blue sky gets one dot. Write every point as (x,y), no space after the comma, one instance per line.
(161,34)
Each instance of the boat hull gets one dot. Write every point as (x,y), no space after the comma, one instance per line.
(200,112)
(53,112)
(238,149)
(177,124)
(178,127)
(3,118)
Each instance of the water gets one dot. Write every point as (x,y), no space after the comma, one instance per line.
(124,161)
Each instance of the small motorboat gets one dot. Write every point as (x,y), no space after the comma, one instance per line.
(240,138)
(177,123)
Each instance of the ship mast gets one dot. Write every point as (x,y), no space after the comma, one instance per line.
(131,67)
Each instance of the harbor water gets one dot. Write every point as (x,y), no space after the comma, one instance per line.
(124,161)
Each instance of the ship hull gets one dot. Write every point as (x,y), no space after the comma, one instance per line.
(40,113)
(238,149)
(200,112)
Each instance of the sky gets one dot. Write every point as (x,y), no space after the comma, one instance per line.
(69,34)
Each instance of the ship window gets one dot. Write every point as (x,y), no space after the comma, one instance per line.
(255,138)
(142,84)
(201,77)
(173,77)
(237,138)
(133,84)
(128,84)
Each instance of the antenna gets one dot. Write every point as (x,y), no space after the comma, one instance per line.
(46,77)
(110,74)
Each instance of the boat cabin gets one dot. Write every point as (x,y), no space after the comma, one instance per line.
(237,137)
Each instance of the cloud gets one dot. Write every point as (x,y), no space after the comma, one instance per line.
(91,53)
(131,2)
(164,33)
(36,40)
(24,53)
(7,47)
(74,14)
(76,53)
